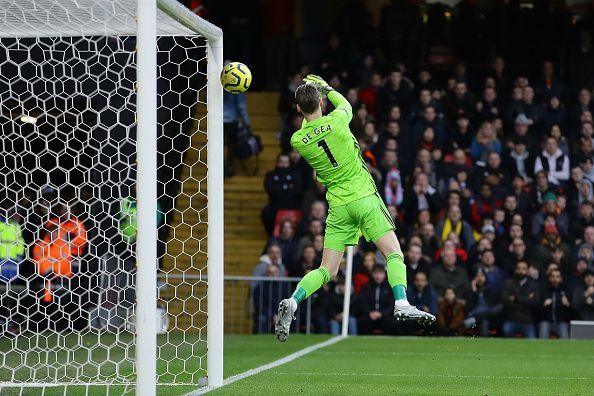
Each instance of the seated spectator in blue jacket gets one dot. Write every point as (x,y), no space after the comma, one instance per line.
(421,295)
(485,142)
(555,307)
(483,306)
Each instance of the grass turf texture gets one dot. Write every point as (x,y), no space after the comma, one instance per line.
(395,365)
(431,366)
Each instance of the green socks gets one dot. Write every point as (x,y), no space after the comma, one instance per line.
(310,283)
(316,278)
(397,275)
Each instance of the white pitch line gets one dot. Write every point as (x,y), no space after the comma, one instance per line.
(268,366)
(435,376)
(457,354)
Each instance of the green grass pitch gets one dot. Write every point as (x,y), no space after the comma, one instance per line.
(398,365)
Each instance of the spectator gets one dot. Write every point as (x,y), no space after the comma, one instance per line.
(396,92)
(286,107)
(585,218)
(555,308)
(235,116)
(520,160)
(520,298)
(450,314)
(423,196)
(421,295)
(267,295)
(317,211)
(272,257)
(335,312)
(375,305)
(521,129)
(127,216)
(454,223)
(309,260)
(416,263)
(57,256)
(12,246)
(292,125)
(61,243)
(288,244)
(499,75)
(429,241)
(583,296)
(554,162)
(462,135)
(362,278)
(548,85)
(392,191)
(285,190)
(555,116)
(494,174)
(484,205)
(551,242)
(315,228)
(587,167)
(12,255)
(575,279)
(484,304)
(485,142)
(495,275)
(460,101)
(489,106)
(369,94)
(449,275)
(550,209)
(542,188)
(430,119)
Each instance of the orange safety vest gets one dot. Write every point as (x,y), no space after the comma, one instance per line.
(62,242)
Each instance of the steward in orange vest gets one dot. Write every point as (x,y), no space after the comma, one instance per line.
(65,240)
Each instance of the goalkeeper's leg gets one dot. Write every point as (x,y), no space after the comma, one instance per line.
(390,247)
(311,282)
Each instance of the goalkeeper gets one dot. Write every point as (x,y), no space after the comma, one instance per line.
(327,143)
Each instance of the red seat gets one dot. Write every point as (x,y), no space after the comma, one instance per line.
(295,215)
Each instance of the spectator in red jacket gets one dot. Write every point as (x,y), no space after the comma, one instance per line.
(484,205)
(362,278)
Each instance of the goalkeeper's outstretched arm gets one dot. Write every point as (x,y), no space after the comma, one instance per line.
(342,107)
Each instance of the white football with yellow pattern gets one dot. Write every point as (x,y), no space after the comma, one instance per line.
(236,77)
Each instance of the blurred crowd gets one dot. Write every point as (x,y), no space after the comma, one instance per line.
(489,178)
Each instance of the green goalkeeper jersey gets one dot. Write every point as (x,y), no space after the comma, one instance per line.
(331,149)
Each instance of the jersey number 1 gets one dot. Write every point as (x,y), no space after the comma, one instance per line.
(322,143)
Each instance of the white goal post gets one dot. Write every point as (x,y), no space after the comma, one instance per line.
(105,123)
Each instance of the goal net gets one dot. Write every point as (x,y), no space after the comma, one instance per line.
(68,210)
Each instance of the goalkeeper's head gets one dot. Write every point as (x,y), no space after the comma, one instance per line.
(308,99)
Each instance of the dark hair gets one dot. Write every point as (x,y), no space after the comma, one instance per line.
(378,267)
(308,98)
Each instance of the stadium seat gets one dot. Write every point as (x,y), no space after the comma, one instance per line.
(295,215)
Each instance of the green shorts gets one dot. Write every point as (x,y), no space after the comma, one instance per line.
(368,214)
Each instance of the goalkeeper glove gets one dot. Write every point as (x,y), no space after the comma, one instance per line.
(319,83)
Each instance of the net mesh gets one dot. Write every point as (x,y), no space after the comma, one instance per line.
(68,203)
